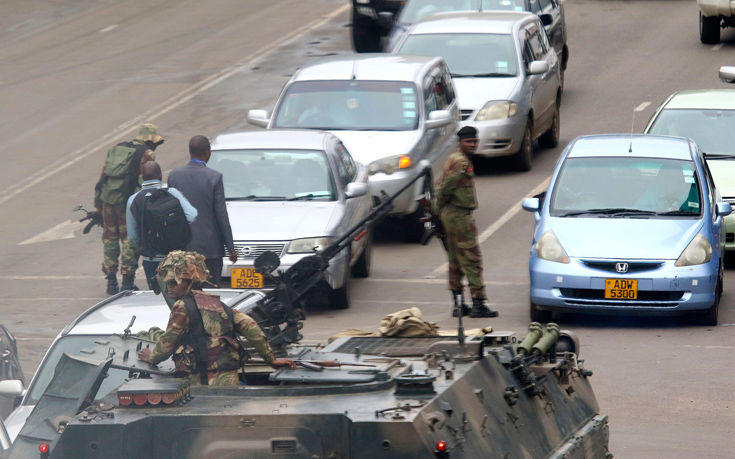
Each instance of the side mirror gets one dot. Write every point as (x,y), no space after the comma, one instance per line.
(531,204)
(723,209)
(538,67)
(546,19)
(259,117)
(438,118)
(355,189)
(11,388)
(727,74)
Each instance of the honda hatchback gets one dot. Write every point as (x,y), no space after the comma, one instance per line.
(630,224)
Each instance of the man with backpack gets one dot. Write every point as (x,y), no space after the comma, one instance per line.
(158,220)
(120,178)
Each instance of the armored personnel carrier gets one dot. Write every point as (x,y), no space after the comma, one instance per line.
(486,395)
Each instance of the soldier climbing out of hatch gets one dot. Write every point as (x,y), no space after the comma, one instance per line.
(201,330)
(456,198)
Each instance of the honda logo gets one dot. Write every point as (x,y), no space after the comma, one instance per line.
(621,267)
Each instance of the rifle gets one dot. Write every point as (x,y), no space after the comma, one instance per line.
(95,218)
(279,313)
(435,226)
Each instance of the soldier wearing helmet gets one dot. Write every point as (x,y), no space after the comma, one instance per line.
(120,179)
(202,331)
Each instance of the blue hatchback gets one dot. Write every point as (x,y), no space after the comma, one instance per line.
(630,224)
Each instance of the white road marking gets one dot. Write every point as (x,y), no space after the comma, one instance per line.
(708,347)
(50,278)
(411,302)
(432,281)
(642,106)
(718,47)
(161,109)
(81,298)
(515,208)
(108,28)
(64,230)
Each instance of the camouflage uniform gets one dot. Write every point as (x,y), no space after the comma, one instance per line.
(223,356)
(114,231)
(455,201)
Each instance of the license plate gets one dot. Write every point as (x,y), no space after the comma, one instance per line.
(621,289)
(245,278)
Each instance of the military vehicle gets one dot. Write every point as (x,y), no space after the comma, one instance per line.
(485,395)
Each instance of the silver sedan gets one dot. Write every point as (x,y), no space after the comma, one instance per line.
(293,192)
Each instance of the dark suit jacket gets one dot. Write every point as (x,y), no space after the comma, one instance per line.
(202,186)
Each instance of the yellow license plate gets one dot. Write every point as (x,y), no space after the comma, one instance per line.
(621,289)
(245,278)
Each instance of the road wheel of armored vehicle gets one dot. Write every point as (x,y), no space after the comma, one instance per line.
(365,34)
(361,268)
(550,138)
(709,29)
(539,315)
(340,298)
(709,317)
(522,159)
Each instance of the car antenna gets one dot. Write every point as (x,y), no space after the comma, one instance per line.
(638,109)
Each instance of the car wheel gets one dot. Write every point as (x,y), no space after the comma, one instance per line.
(550,138)
(365,34)
(340,298)
(415,226)
(709,316)
(540,315)
(523,158)
(709,29)
(362,266)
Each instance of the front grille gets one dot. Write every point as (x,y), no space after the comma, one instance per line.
(497,144)
(643,295)
(252,249)
(633,266)
(465,114)
(398,347)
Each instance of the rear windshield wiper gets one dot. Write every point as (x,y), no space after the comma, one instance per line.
(619,211)
(716,156)
(678,213)
(308,197)
(481,75)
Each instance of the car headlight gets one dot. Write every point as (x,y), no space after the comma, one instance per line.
(698,252)
(309,244)
(497,110)
(389,165)
(549,248)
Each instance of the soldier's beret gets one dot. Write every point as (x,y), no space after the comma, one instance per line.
(467,132)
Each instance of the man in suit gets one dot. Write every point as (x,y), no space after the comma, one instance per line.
(202,186)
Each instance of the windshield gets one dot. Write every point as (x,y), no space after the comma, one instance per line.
(274,175)
(467,55)
(712,130)
(349,105)
(626,187)
(89,347)
(415,10)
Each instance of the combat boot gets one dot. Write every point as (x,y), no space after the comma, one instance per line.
(480,309)
(128,282)
(458,298)
(112,287)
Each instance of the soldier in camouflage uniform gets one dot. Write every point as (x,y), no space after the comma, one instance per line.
(111,195)
(181,271)
(455,201)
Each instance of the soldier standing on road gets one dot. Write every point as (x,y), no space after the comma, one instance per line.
(455,200)
(201,331)
(120,178)
(203,187)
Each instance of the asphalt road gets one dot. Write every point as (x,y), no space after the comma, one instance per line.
(78,76)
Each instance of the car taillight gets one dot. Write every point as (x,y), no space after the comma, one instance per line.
(43,448)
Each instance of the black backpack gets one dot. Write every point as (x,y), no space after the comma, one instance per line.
(164,222)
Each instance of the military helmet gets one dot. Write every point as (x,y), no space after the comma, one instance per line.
(183,265)
(148,133)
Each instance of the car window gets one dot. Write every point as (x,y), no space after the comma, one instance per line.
(711,187)
(535,43)
(711,130)
(448,87)
(430,102)
(348,105)
(639,184)
(535,6)
(545,4)
(273,175)
(510,5)
(467,54)
(345,164)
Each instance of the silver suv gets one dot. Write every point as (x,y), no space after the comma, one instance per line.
(507,76)
(391,112)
